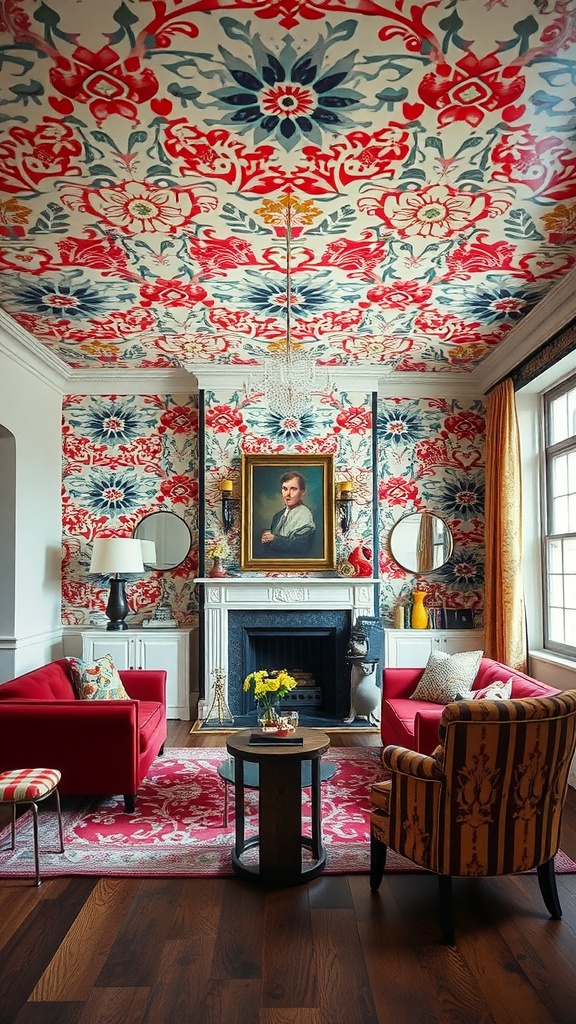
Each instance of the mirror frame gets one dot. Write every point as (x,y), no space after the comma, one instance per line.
(164,512)
(414,568)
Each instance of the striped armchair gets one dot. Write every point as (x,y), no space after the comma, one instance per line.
(488,801)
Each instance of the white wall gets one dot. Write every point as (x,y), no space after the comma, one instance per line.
(30,409)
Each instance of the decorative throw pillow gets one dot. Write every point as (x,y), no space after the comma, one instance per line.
(498,690)
(447,676)
(97,680)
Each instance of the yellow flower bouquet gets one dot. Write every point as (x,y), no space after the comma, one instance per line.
(268,688)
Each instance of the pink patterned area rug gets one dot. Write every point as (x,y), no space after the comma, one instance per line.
(177,829)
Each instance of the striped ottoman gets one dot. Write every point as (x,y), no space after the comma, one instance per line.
(31,786)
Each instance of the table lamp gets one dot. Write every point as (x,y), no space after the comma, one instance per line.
(110,557)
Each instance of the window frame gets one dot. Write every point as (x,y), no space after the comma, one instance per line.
(550,452)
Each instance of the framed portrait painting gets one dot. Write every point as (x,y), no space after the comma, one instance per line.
(287,512)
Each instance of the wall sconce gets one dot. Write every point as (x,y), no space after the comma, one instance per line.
(227,504)
(344,499)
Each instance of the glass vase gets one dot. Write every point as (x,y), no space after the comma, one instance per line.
(268,719)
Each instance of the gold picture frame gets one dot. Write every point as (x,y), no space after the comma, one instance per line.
(301,542)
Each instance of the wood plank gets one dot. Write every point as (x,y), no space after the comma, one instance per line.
(288,980)
(117,1006)
(35,943)
(72,972)
(238,949)
(132,960)
(344,992)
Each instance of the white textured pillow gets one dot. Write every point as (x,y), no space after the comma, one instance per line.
(447,676)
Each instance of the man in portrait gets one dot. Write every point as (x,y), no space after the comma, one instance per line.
(292,528)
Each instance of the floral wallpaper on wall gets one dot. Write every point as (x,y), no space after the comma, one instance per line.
(431,457)
(123,458)
(337,423)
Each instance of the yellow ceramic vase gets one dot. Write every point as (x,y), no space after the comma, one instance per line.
(419,619)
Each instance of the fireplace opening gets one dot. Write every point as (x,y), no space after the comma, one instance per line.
(311,646)
(308,655)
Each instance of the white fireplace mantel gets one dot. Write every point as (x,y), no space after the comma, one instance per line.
(229,593)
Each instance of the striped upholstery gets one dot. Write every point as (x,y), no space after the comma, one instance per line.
(489,800)
(27,784)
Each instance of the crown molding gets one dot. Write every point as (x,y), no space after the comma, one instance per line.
(19,346)
(164,381)
(552,313)
(212,378)
(457,384)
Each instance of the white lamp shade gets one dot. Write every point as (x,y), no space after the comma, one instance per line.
(148,552)
(116,554)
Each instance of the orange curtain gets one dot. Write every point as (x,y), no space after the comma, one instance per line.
(504,621)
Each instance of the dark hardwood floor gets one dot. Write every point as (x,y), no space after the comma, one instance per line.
(223,951)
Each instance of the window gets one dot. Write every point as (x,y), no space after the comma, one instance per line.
(560,518)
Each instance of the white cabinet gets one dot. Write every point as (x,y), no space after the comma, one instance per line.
(167,649)
(410,648)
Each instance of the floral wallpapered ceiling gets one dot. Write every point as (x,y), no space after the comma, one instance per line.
(149,150)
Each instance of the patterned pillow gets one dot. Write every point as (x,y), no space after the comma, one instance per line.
(498,690)
(97,680)
(447,676)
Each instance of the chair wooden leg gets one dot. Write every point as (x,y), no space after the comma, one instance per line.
(378,851)
(548,888)
(446,916)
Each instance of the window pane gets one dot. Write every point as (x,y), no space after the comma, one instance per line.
(556,591)
(569,553)
(556,627)
(572,411)
(559,475)
(558,419)
(560,515)
(570,620)
(572,513)
(555,556)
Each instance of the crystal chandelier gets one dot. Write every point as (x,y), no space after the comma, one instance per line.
(290,376)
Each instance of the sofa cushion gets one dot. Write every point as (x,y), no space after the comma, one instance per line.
(447,676)
(150,716)
(97,680)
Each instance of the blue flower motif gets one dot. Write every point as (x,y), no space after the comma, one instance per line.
(65,297)
(502,301)
(287,96)
(464,570)
(114,421)
(287,430)
(112,492)
(459,496)
(267,296)
(396,426)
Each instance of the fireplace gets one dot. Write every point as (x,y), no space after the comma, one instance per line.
(308,613)
(311,646)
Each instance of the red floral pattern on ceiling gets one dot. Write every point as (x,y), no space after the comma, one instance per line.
(149,154)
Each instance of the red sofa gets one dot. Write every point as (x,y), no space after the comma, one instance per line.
(101,747)
(414,723)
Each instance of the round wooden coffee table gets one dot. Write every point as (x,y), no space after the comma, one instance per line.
(279,841)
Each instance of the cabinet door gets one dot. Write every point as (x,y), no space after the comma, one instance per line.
(120,647)
(169,653)
(408,648)
(462,640)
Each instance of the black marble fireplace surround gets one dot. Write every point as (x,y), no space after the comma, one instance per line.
(313,642)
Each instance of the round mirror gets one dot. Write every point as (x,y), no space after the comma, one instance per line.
(421,542)
(170,536)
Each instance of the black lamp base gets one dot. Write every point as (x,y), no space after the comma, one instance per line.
(117,608)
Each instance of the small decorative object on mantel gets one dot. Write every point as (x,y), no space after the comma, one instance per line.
(268,688)
(216,551)
(419,611)
(361,560)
